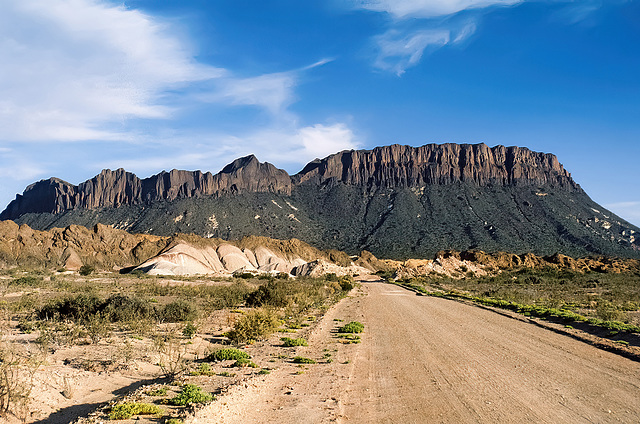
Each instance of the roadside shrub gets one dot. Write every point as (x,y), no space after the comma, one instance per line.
(189,330)
(346,282)
(255,325)
(229,296)
(124,411)
(179,311)
(352,327)
(119,307)
(228,354)
(190,394)
(303,360)
(244,363)
(26,281)
(274,293)
(289,342)
(86,270)
(78,308)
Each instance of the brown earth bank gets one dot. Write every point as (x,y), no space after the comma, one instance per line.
(106,248)
(425,359)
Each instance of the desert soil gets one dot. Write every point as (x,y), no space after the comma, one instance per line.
(425,359)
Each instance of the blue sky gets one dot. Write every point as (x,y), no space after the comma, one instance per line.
(149,85)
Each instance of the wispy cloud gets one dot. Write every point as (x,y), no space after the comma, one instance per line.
(289,146)
(73,68)
(433,25)
(397,50)
(428,8)
(576,12)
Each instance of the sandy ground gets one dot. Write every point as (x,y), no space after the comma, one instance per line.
(425,359)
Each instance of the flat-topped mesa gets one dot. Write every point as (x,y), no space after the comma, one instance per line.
(441,164)
(117,188)
(393,166)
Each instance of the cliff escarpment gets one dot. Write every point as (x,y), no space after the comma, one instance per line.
(394,201)
(390,166)
(117,188)
(439,164)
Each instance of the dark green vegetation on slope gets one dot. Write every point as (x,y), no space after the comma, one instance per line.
(391,223)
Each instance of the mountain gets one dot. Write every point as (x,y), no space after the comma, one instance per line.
(395,201)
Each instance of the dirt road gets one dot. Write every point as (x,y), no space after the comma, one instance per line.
(430,360)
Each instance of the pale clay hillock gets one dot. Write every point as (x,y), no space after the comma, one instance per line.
(183,259)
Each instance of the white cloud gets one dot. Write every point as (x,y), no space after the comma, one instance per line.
(397,51)
(288,146)
(296,146)
(71,68)
(403,46)
(16,167)
(428,8)
(320,140)
(274,92)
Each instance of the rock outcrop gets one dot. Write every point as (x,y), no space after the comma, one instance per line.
(116,188)
(439,164)
(390,166)
(396,201)
(107,248)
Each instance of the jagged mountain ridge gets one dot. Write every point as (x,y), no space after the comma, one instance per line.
(389,166)
(396,201)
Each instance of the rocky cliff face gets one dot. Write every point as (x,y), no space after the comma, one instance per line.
(395,201)
(439,164)
(117,188)
(390,166)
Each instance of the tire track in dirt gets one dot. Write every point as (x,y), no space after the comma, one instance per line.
(425,359)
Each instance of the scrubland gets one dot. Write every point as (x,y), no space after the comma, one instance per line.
(71,342)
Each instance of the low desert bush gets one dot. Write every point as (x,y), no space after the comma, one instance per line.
(190,394)
(346,282)
(179,311)
(227,354)
(244,363)
(289,342)
(26,281)
(303,360)
(189,330)
(352,327)
(255,325)
(124,411)
(86,270)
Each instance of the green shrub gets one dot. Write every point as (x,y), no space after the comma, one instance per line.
(189,330)
(26,281)
(352,327)
(274,293)
(255,325)
(228,354)
(127,410)
(179,311)
(86,270)
(160,391)
(244,363)
(203,369)
(121,308)
(346,282)
(78,308)
(190,394)
(303,360)
(289,342)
